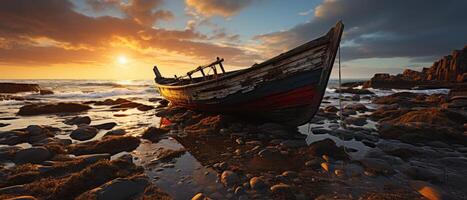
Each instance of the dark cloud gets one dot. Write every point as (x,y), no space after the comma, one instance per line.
(37,31)
(143,11)
(383,29)
(225,8)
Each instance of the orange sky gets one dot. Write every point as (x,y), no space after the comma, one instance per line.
(84,39)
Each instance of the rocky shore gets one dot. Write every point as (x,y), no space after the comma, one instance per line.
(399,146)
(449,71)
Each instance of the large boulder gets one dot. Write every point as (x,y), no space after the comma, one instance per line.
(84,132)
(78,120)
(32,155)
(118,189)
(111,145)
(105,126)
(39,109)
(18,87)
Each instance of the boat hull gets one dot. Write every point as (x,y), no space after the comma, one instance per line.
(287,89)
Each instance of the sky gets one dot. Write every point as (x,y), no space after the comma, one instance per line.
(124,39)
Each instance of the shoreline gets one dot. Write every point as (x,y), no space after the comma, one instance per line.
(390,137)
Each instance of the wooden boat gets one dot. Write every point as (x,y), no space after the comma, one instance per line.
(287,89)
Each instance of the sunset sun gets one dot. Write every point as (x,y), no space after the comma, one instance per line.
(122,60)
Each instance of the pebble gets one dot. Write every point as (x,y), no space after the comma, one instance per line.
(240,191)
(294,143)
(229,178)
(427,190)
(239,141)
(257,183)
(325,166)
(281,188)
(314,164)
(290,174)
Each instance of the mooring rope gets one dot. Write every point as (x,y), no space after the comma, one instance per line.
(340,90)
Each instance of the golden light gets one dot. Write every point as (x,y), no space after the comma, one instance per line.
(122,60)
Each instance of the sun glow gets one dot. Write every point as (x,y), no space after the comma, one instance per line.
(122,60)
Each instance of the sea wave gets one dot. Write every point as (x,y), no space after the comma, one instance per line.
(117,92)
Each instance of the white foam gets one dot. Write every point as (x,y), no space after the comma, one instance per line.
(98,94)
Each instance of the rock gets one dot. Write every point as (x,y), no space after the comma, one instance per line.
(357,107)
(111,102)
(3,125)
(353,170)
(430,115)
(239,191)
(200,196)
(143,107)
(118,189)
(7,152)
(416,132)
(154,134)
(354,91)
(92,158)
(357,121)
(290,174)
(111,145)
(116,132)
(229,178)
(154,99)
(163,102)
(12,137)
(166,155)
(326,166)
(331,109)
(257,183)
(423,173)
(78,120)
(376,165)
(356,97)
(126,104)
(32,155)
(368,143)
(270,153)
(275,130)
(282,189)
(314,164)
(18,87)
(325,147)
(294,143)
(105,126)
(84,132)
(38,109)
(45,92)
(427,190)
(22,198)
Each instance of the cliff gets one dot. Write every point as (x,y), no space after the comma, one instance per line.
(446,72)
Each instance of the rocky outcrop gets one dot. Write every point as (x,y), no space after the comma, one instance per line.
(18,87)
(447,72)
(39,109)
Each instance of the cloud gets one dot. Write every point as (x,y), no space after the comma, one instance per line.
(224,8)
(52,32)
(382,29)
(304,13)
(142,11)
